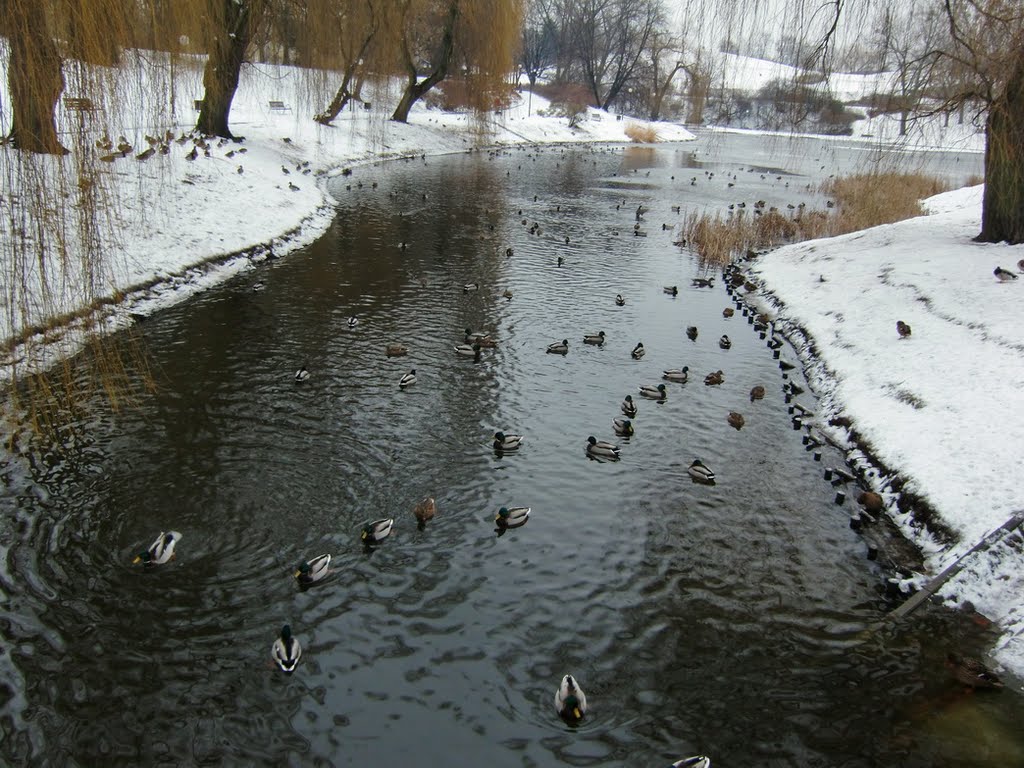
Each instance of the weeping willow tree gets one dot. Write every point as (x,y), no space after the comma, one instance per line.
(436,35)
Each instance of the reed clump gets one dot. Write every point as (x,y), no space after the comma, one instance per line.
(855,203)
(642,134)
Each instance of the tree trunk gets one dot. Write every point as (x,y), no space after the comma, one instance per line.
(414,90)
(34,77)
(1002,210)
(220,77)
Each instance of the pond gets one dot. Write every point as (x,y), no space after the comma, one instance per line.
(738,620)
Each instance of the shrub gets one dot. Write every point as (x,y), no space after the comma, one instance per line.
(644,134)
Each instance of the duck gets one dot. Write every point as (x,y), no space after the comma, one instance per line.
(377,531)
(286,650)
(697,761)
(677,374)
(713,379)
(594,338)
(1020,266)
(301,375)
(902,329)
(468,287)
(629,407)
(425,510)
(559,347)
(871,501)
(468,350)
(312,571)
(503,442)
(724,342)
(638,351)
(623,427)
(972,672)
(508,294)
(1003,275)
(396,350)
(407,380)
(728,312)
(488,343)
(735,420)
(570,701)
(757,393)
(160,551)
(602,448)
(701,473)
(654,392)
(353,321)
(671,290)
(473,338)
(512,517)
(691,332)
(619,301)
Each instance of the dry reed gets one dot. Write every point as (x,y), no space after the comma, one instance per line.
(642,134)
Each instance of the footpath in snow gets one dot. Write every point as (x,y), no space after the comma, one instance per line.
(943,409)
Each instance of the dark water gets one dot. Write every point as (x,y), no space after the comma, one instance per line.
(731,620)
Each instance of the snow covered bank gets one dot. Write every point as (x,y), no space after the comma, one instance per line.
(943,408)
(170,213)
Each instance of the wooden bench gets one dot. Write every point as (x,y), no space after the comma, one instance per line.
(78,104)
(279,106)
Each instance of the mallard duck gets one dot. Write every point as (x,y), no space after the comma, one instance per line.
(257,287)
(602,448)
(623,427)
(470,287)
(701,473)
(1020,266)
(302,374)
(570,701)
(619,301)
(1003,275)
(286,650)
(671,290)
(407,380)
(472,338)
(512,517)
(353,321)
(377,531)
(638,351)
(487,342)
(160,551)
(735,420)
(594,338)
(468,350)
(691,332)
(654,392)
(713,379)
(902,329)
(312,571)
(425,510)
(503,442)
(697,761)
(559,347)
(972,672)
(757,393)
(724,342)
(677,374)
(396,350)
(629,407)
(728,312)
(508,294)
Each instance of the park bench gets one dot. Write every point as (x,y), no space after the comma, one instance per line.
(279,106)
(78,104)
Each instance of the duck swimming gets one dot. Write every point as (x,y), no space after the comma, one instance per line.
(619,301)
(468,350)
(475,337)
(353,321)
(638,351)
(735,420)
(424,511)
(503,442)
(312,571)
(691,333)
(160,551)
(286,650)
(623,427)
(602,448)
(713,379)
(468,287)
(407,380)
(757,393)
(677,374)
(377,531)
(629,407)
(697,761)
(559,347)
(396,350)
(654,392)
(301,375)
(570,701)
(512,517)
(671,290)
(594,338)
(724,342)
(701,473)
(972,672)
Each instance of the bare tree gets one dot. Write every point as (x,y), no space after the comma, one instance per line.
(347,28)
(665,62)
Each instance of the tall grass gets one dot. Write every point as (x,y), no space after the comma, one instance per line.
(642,134)
(856,202)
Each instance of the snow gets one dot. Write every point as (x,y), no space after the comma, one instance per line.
(943,408)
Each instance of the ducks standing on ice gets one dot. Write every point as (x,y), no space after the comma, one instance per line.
(902,329)
(1003,275)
